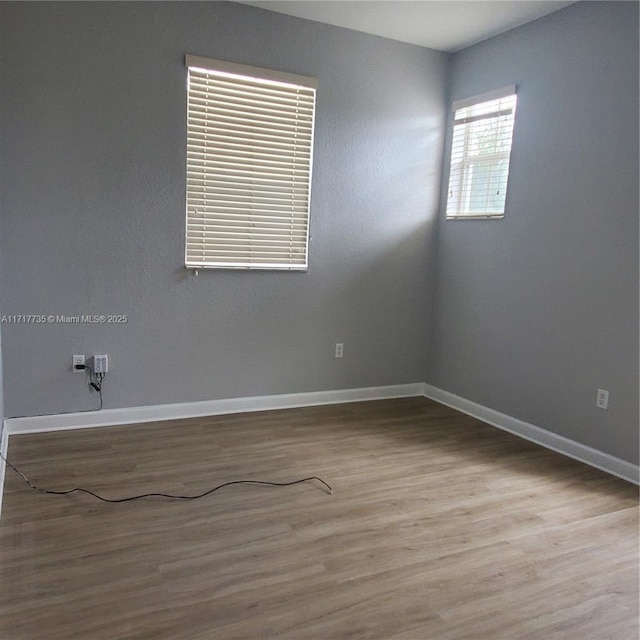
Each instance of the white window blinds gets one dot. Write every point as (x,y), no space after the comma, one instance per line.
(480,153)
(249,151)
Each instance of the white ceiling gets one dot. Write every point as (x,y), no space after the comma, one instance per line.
(447,25)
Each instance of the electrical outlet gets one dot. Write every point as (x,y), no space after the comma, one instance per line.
(339,349)
(100,363)
(602,399)
(77,360)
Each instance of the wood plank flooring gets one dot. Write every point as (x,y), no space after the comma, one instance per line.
(440,527)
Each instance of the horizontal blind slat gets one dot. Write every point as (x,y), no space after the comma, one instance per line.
(210,158)
(246,148)
(273,222)
(249,235)
(284,175)
(200,179)
(231,196)
(202,100)
(201,130)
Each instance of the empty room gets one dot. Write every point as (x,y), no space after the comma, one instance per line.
(320,320)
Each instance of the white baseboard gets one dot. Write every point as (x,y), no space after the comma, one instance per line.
(571,448)
(156,413)
(4,449)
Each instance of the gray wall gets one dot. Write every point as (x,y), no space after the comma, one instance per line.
(92,182)
(536,311)
(531,314)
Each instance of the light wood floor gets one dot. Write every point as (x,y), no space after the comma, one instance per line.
(440,528)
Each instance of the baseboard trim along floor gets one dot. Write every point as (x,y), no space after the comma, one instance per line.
(4,448)
(157,413)
(560,444)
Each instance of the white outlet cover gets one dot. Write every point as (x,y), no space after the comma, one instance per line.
(602,399)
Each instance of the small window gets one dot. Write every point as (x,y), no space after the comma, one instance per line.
(480,152)
(249,150)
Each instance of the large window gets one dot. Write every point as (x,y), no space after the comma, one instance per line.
(480,152)
(249,150)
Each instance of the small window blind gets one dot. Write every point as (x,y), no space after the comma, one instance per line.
(480,154)
(249,152)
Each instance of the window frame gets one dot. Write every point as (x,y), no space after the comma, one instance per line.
(462,164)
(254,213)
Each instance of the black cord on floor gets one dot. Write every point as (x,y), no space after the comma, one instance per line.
(165,495)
